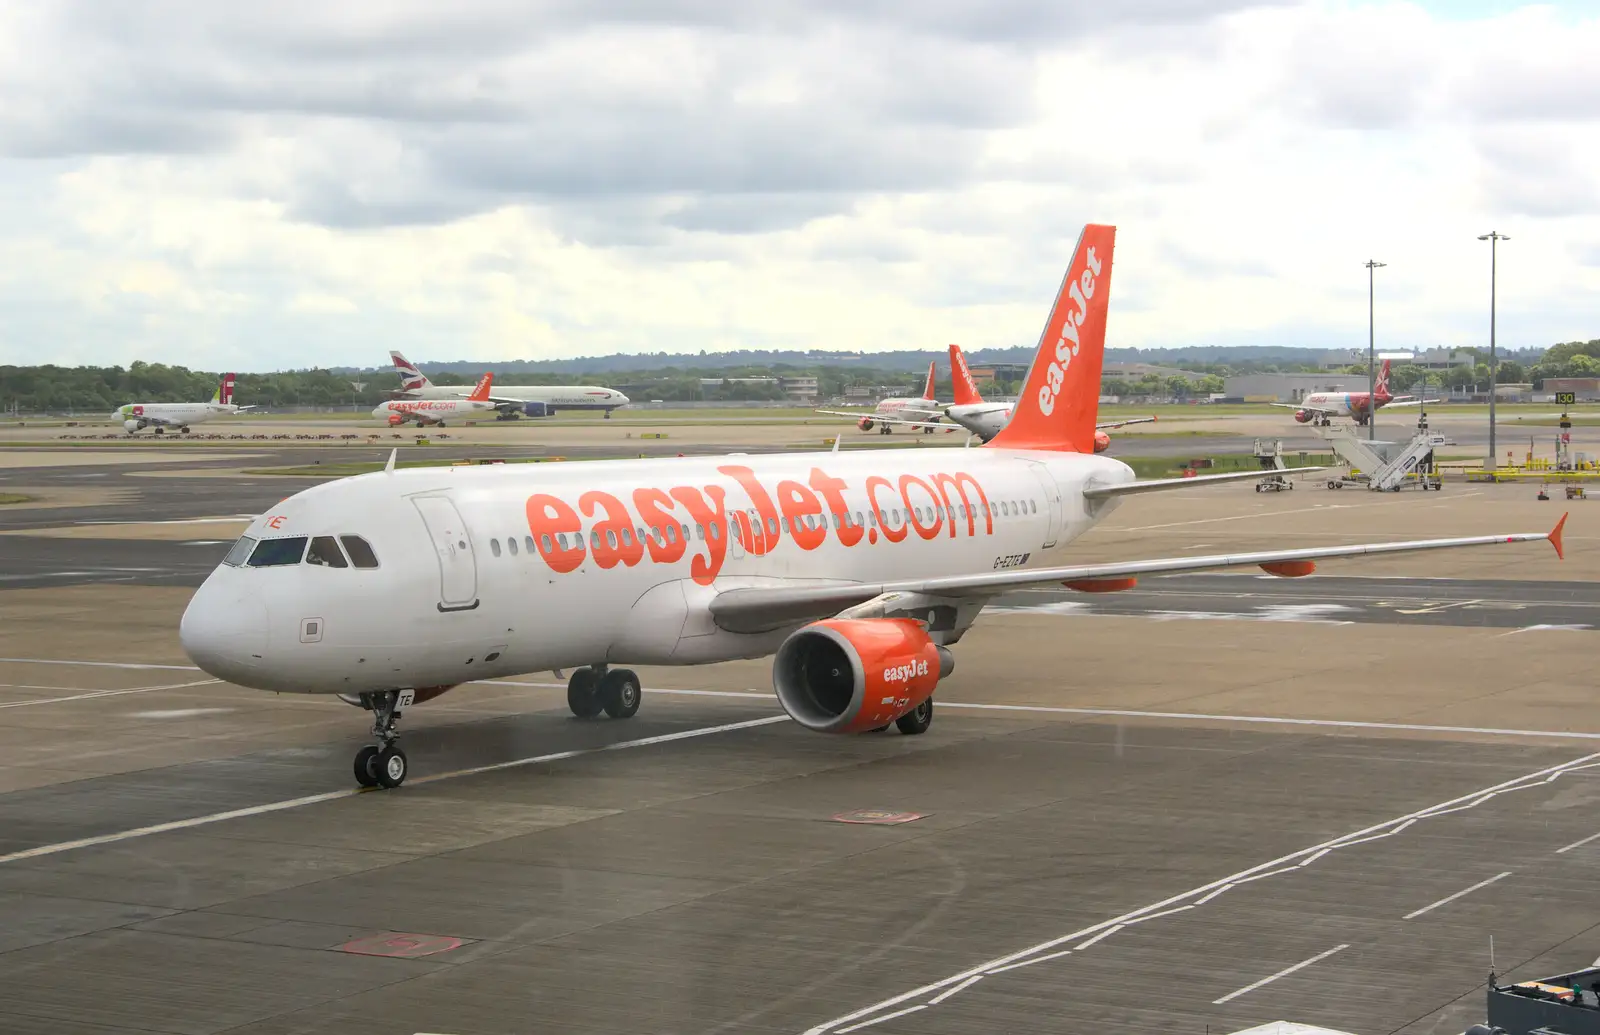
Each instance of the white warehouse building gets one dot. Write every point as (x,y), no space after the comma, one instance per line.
(1290,388)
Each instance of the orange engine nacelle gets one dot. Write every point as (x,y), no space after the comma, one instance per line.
(1102,442)
(1302,415)
(850,675)
(1290,569)
(396,419)
(865,424)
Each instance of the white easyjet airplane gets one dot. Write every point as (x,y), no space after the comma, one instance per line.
(985,419)
(923,412)
(437,411)
(857,570)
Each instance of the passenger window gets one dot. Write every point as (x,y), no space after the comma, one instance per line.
(715,531)
(360,551)
(685,530)
(528,542)
(859,522)
(672,533)
(544,541)
(594,539)
(272,553)
(1033,507)
(240,551)
(611,537)
(511,544)
(494,547)
(325,550)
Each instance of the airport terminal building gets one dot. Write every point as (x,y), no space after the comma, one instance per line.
(1290,388)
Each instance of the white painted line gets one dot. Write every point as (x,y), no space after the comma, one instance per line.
(880,1020)
(973,980)
(1029,963)
(1282,864)
(97,694)
(96,664)
(1285,972)
(1108,932)
(1576,844)
(313,799)
(1451,898)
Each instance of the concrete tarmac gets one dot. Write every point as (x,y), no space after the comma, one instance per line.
(1209,802)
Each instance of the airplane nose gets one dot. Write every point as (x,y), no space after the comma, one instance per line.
(224,631)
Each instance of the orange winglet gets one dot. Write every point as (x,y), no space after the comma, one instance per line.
(1555,538)
(1290,569)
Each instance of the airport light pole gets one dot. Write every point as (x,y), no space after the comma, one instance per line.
(1372,370)
(1494,238)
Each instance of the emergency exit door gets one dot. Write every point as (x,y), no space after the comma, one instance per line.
(452,545)
(1051,503)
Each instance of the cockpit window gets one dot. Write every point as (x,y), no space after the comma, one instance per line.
(240,551)
(271,553)
(325,550)
(361,554)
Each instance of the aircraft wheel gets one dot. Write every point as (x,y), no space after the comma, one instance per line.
(620,693)
(917,720)
(367,766)
(391,767)
(583,693)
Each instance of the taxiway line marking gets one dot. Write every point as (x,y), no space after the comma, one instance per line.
(314,799)
(1284,863)
(1577,844)
(97,664)
(885,1017)
(96,694)
(1451,898)
(1133,713)
(1285,972)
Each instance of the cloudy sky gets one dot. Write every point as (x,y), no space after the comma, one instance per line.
(305,182)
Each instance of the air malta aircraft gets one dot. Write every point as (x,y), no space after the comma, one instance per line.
(985,419)
(1321,407)
(923,412)
(437,411)
(138,416)
(857,571)
(512,401)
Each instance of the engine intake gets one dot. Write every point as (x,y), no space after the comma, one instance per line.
(847,675)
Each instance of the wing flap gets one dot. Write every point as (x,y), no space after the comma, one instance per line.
(756,609)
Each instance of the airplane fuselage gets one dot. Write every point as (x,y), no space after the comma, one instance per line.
(430,411)
(173,414)
(487,572)
(554,397)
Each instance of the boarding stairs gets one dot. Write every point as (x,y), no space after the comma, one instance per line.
(1387,467)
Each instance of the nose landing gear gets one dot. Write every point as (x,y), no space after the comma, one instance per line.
(597,688)
(383,764)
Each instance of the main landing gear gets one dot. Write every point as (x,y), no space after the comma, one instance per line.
(596,689)
(383,764)
(916,721)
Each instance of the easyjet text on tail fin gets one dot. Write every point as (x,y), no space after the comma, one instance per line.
(481,392)
(966,390)
(928,389)
(1059,402)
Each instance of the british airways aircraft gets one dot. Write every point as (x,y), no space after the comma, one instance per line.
(858,572)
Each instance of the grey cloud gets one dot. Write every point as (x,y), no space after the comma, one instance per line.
(1532,172)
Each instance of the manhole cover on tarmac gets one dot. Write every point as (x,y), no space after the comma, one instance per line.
(405,946)
(878,817)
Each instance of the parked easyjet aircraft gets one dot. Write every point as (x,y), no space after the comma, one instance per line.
(985,419)
(437,411)
(921,413)
(858,570)
(138,416)
(512,401)
(1322,407)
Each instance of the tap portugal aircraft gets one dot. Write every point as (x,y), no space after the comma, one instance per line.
(138,416)
(985,419)
(857,571)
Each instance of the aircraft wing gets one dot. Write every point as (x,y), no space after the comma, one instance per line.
(762,609)
(1303,406)
(1401,402)
(898,422)
(843,413)
(1108,425)
(498,400)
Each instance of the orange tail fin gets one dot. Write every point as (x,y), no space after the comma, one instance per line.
(966,390)
(927,390)
(1058,404)
(481,393)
